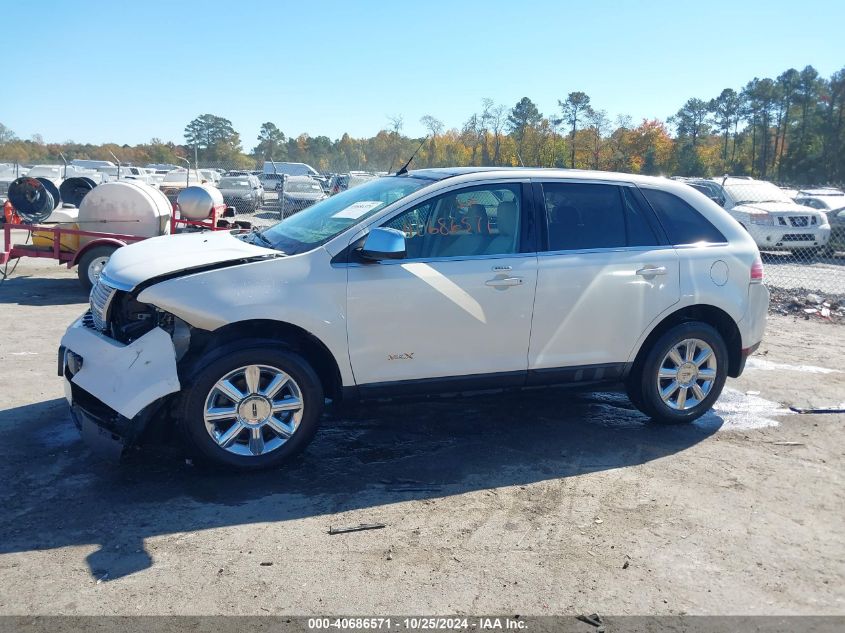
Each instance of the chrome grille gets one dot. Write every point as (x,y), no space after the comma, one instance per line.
(100,299)
(799,220)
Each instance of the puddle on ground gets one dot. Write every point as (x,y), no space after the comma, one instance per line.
(736,411)
(733,411)
(767,365)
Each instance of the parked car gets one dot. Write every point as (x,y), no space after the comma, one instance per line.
(295,169)
(242,192)
(127,172)
(289,169)
(403,286)
(298,193)
(177,179)
(775,221)
(211,176)
(825,199)
(836,217)
(709,188)
(342,182)
(271,182)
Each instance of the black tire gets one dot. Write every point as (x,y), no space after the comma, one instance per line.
(642,384)
(213,367)
(88,260)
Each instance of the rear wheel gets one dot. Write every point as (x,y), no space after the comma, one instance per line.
(682,374)
(91,264)
(252,408)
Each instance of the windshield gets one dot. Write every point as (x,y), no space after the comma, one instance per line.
(318,224)
(234,183)
(300,186)
(755,191)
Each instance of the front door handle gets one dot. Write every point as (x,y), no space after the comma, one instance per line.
(650,271)
(504,282)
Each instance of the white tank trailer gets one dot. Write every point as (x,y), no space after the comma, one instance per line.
(126,207)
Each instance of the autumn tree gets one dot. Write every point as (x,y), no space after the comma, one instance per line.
(726,113)
(522,119)
(599,123)
(575,108)
(270,142)
(213,138)
(6,135)
(434,127)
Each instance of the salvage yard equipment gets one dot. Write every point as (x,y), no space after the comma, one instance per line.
(109,216)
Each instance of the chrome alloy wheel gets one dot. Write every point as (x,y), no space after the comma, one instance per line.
(253,410)
(687,374)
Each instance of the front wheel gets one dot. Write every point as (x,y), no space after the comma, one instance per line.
(252,408)
(682,374)
(91,264)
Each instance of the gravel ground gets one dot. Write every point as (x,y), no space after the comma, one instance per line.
(543,502)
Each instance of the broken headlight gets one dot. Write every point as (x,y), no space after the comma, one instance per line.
(131,319)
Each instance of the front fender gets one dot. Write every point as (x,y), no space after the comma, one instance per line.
(302,290)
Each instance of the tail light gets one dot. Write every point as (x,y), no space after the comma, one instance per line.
(757,271)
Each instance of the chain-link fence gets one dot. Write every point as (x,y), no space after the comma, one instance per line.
(800,232)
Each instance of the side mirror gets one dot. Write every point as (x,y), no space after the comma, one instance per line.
(384,243)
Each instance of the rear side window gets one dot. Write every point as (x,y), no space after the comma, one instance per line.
(583,216)
(640,229)
(682,223)
(588,216)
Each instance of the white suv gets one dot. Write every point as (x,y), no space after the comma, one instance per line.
(775,221)
(437,280)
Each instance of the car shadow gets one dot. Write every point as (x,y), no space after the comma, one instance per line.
(57,494)
(41,291)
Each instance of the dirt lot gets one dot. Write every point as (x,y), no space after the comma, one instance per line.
(538,503)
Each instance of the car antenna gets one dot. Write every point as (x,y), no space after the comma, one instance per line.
(404,169)
(724,179)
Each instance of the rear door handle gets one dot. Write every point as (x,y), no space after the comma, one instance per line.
(649,271)
(504,282)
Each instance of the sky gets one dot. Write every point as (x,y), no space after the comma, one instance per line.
(125,72)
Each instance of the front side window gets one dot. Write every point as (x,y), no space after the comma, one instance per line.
(682,223)
(464,223)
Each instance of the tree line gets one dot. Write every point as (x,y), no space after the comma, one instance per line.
(788,129)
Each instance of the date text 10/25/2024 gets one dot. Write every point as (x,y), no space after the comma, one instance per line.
(418,623)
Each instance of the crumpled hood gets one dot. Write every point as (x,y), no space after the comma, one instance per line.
(157,256)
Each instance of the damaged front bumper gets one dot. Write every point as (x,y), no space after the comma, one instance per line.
(114,389)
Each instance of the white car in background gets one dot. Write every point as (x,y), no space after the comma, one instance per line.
(126,172)
(432,281)
(774,220)
(825,199)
